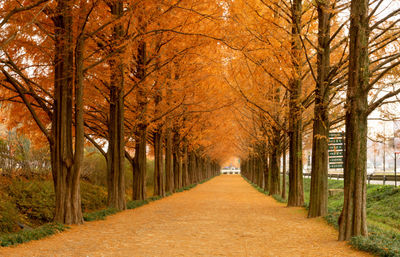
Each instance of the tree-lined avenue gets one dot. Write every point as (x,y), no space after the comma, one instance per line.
(222,217)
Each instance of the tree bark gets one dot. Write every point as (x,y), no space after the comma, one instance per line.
(140,163)
(185,166)
(116,142)
(177,159)
(284,168)
(64,170)
(319,166)
(296,193)
(353,219)
(139,167)
(169,173)
(266,171)
(159,184)
(274,174)
(192,167)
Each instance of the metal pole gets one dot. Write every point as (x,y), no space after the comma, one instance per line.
(395,169)
(343,152)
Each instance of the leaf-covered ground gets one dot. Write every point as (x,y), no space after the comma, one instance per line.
(223,217)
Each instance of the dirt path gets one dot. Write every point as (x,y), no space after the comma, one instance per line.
(223,217)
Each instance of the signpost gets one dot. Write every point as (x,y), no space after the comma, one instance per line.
(395,168)
(336,150)
(396,142)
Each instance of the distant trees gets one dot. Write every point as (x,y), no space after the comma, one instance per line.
(199,82)
(89,70)
(317,67)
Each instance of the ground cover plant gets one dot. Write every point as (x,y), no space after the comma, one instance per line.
(383,215)
(26,208)
(31,234)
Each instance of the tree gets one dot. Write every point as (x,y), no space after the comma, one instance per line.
(66,163)
(363,74)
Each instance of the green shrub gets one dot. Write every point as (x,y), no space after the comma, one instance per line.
(189,187)
(32,202)
(135,204)
(9,215)
(383,211)
(385,243)
(94,167)
(99,215)
(29,235)
(279,198)
(34,199)
(383,205)
(154,198)
(149,172)
(93,197)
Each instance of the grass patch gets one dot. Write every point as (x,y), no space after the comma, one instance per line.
(259,189)
(33,202)
(191,186)
(187,187)
(29,235)
(380,242)
(279,198)
(99,215)
(383,217)
(383,214)
(26,196)
(9,215)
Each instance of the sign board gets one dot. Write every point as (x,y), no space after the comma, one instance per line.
(335,134)
(335,153)
(336,165)
(335,150)
(396,134)
(335,147)
(335,159)
(335,141)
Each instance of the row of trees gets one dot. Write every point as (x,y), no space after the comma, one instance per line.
(310,67)
(124,75)
(121,75)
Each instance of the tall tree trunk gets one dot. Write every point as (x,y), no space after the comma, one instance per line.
(261,172)
(284,168)
(185,166)
(353,219)
(159,184)
(169,172)
(274,174)
(266,171)
(159,177)
(192,167)
(296,193)
(139,167)
(252,169)
(319,166)
(65,172)
(116,142)
(116,150)
(176,155)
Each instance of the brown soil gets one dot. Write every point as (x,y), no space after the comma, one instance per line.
(223,217)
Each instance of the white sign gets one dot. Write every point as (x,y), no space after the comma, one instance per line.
(396,132)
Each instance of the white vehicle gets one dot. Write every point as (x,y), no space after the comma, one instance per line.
(370,169)
(230,170)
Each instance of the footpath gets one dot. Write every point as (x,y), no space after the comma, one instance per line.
(222,217)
